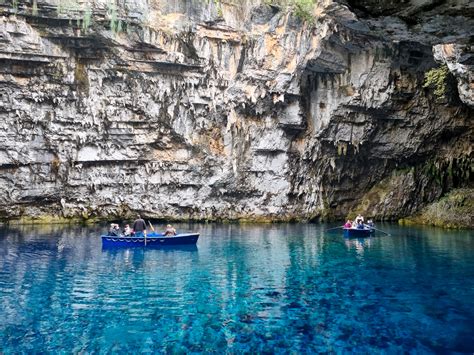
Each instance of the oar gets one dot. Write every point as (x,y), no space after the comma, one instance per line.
(151,226)
(330,229)
(378,230)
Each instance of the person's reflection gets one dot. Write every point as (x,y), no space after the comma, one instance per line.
(126,257)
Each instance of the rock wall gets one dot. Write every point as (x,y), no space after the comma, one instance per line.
(228,110)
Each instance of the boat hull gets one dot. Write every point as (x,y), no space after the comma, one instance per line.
(357,233)
(152,240)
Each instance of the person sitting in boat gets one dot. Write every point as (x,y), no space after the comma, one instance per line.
(169,231)
(370,223)
(127,231)
(359,218)
(360,224)
(139,227)
(114,230)
(348,224)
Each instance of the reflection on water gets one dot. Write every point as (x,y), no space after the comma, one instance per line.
(359,244)
(254,288)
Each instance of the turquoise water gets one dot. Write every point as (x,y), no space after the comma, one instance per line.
(244,288)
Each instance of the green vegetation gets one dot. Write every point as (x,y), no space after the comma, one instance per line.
(455,210)
(67,6)
(449,172)
(79,15)
(116,25)
(377,202)
(15,6)
(437,78)
(218,5)
(87,18)
(112,15)
(303,9)
(34,9)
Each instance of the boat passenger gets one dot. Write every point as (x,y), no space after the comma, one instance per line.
(359,218)
(360,225)
(127,230)
(139,227)
(348,224)
(114,230)
(169,231)
(370,223)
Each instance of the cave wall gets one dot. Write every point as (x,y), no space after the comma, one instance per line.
(207,110)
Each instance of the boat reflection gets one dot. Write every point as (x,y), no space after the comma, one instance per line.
(359,244)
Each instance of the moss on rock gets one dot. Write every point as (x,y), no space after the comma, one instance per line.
(455,210)
(387,199)
(49,219)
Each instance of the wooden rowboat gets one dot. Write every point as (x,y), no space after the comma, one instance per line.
(151,240)
(358,232)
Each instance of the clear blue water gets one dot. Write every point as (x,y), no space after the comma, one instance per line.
(244,288)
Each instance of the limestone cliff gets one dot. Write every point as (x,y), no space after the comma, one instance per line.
(235,110)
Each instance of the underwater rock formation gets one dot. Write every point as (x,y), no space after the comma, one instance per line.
(224,110)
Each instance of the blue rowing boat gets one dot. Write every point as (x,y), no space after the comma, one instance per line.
(151,240)
(358,232)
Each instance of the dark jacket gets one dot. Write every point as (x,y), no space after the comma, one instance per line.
(139,225)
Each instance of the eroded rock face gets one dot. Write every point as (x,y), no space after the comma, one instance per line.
(204,111)
(460,62)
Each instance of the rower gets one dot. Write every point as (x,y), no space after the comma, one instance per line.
(139,227)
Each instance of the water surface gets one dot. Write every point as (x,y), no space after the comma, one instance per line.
(243,288)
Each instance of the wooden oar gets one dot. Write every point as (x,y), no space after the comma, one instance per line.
(334,228)
(151,226)
(153,229)
(378,230)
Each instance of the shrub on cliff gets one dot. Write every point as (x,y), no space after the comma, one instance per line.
(455,210)
(437,78)
(303,9)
